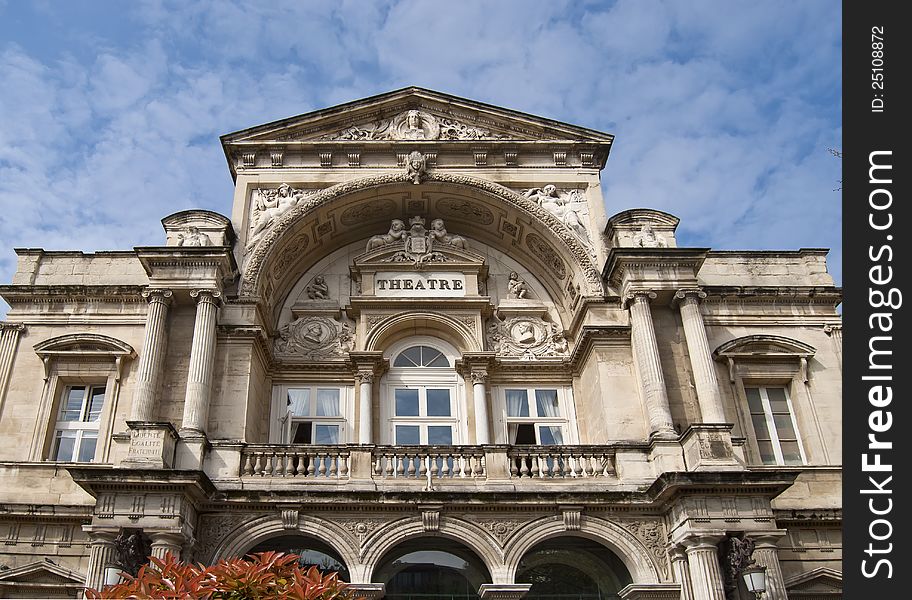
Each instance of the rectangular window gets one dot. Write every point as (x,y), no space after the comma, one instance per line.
(774,426)
(534,416)
(76,430)
(423,415)
(313,415)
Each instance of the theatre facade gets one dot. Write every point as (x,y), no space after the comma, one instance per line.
(421,352)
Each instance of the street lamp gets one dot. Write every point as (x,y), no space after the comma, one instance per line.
(754,578)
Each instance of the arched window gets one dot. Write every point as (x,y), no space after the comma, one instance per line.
(312,552)
(421,394)
(431,568)
(572,567)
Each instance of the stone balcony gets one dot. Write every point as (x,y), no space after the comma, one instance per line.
(623,465)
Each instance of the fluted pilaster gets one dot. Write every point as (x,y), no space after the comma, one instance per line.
(703,564)
(202,355)
(9,339)
(681,571)
(167,543)
(480,398)
(102,554)
(646,355)
(766,554)
(701,361)
(835,333)
(153,353)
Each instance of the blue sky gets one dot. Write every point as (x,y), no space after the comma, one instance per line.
(110,111)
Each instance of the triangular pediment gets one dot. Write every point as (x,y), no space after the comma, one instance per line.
(41,572)
(416,114)
(818,583)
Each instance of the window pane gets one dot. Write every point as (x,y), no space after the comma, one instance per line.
(64,444)
(71,409)
(328,403)
(517,403)
(790,453)
(96,402)
(784,427)
(440,435)
(299,402)
(551,436)
(406,403)
(766,453)
(433,358)
(301,432)
(524,433)
(408,435)
(438,403)
(87,447)
(760,429)
(410,357)
(778,403)
(753,400)
(327,434)
(546,403)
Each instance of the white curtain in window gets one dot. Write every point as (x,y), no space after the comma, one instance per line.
(512,432)
(517,405)
(328,403)
(299,402)
(547,403)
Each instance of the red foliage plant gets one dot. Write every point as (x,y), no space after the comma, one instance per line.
(260,576)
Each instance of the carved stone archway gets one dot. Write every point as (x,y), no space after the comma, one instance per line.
(282,241)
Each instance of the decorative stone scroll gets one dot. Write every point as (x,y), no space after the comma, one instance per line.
(415,125)
(314,337)
(529,338)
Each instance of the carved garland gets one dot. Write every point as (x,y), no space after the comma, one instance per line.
(258,256)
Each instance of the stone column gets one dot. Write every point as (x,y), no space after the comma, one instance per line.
(167,543)
(365,404)
(649,366)
(153,353)
(835,333)
(766,554)
(700,357)
(202,355)
(480,397)
(102,554)
(9,339)
(679,566)
(703,563)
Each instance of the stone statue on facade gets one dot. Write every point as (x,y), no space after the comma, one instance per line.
(516,287)
(735,556)
(396,232)
(440,235)
(193,237)
(563,208)
(646,237)
(132,549)
(416,166)
(317,289)
(269,205)
(417,243)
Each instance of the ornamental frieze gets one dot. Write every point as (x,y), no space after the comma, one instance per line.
(414,125)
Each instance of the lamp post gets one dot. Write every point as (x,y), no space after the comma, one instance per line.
(754,577)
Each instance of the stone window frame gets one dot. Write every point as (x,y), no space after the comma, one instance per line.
(78,359)
(765,361)
(279,420)
(424,377)
(565,404)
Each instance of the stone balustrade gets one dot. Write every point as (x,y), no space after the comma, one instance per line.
(429,462)
(299,461)
(561,462)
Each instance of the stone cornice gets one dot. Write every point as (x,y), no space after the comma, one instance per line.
(824,295)
(17,294)
(593,335)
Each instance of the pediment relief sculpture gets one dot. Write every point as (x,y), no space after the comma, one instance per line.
(526,337)
(415,125)
(646,237)
(568,206)
(270,204)
(416,244)
(192,236)
(315,337)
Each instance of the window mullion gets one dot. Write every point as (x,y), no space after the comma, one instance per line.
(771,426)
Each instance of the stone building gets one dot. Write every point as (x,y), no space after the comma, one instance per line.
(421,352)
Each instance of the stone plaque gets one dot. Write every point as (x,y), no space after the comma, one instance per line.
(151,445)
(426,285)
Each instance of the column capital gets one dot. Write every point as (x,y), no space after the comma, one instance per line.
(685,294)
(639,296)
(208,295)
(765,539)
(478,376)
(364,376)
(368,362)
(7,326)
(830,329)
(157,295)
(702,540)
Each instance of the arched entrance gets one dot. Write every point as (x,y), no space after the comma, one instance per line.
(313,552)
(572,567)
(426,568)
